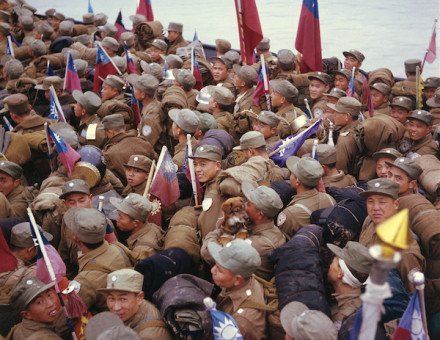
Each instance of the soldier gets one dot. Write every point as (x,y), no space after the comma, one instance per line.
(22,114)
(263,48)
(89,22)
(332,98)
(286,64)
(220,104)
(137,19)
(430,85)
(175,37)
(380,95)
(65,99)
(153,69)
(318,85)
(207,122)
(382,203)
(12,71)
(342,79)
(186,81)
(400,108)
(109,30)
(332,177)
(136,172)
(266,123)
(111,46)
(305,176)
(420,139)
(4,31)
(133,211)
(245,78)
(221,72)
(354,58)
(232,272)
(222,46)
(381,157)
(55,23)
(125,298)
(408,86)
(434,105)
(101,19)
(404,172)
(158,48)
(173,61)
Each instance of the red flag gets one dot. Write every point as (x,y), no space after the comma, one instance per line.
(308,37)
(156,213)
(249,29)
(103,67)
(71,79)
(431,54)
(145,9)
(119,25)
(9,261)
(259,89)
(366,96)
(67,154)
(196,71)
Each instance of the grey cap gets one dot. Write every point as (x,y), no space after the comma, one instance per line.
(120,63)
(207,121)
(100,323)
(355,255)
(286,59)
(45,29)
(138,19)
(66,27)
(90,101)
(119,333)
(59,16)
(431,82)
(321,76)
(390,153)
(134,205)
(411,65)
(75,186)
(348,105)
(126,280)
(110,43)
(289,313)
(153,69)
(221,59)
(4,59)
(88,18)
(81,66)
(326,154)
(146,83)
(209,152)
(307,170)
(74,53)
(286,89)
(175,27)
(26,291)
(160,44)
(354,53)
(222,45)
(407,165)
(381,186)
(238,256)
(423,116)
(87,224)
(264,44)
(14,68)
(247,74)
(336,93)
(26,22)
(30,8)
(264,198)
(54,81)
(184,78)
(12,169)
(268,118)
(115,81)
(111,30)
(403,102)
(112,121)
(344,72)
(382,88)
(233,57)
(222,95)
(4,28)
(251,140)
(50,12)
(434,101)
(100,19)
(38,47)
(173,60)
(185,119)
(140,162)
(21,235)
(128,37)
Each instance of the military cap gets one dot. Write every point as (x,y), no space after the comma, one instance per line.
(423,116)
(26,22)
(336,93)
(286,59)
(407,165)
(387,153)
(264,44)
(233,57)
(88,18)
(26,291)
(153,69)
(4,15)
(221,59)
(100,323)
(321,76)
(128,37)
(88,224)
(348,105)
(140,162)
(382,88)
(21,235)
(184,78)
(119,333)
(344,72)
(66,27)
(134,205)
(326,154)
(50,12)
(74,53)
(403,102)
(222,95)
(112,121)
(14,68)
(286,89)
(59,16)
(207,121)
(431,82)
(69,136)
(175,27)
(185,119)
(55,81)
(247,74)
(4,59)
(4,28)
(434,101)
(355,255)
(100,19)
(45,29)
(209,152)
(38,48)
(17,103)
(89,100)
(138,19)
(120,62)
(307,170)
(145,83)
(110,43)
(381,186)
(251,140)
(75,186)
(263,197)
(111,31)
(238,256)
(222,45)
(30,8)
(160,44)
(80,66)
(354,53)
(115,82)
(411,65)
(173,60)
(127,280)
(268,118)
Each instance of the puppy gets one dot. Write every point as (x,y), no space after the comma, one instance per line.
(234,221)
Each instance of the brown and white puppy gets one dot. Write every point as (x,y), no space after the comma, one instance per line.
(234,221)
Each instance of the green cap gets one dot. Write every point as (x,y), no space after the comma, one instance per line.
(345,73)
(348,105)
(355,255)
(382,88)
(321,76)
(101,323)
(221,59)
(184,78)
(127,280)
(431,82)
(209,152)
(336,93)
(134,205)
(115,82)
(403,102)
(307,170)
(112,121)
(21,235)
(264,198)
(146,83)
(269,118)
(222,95)
(251,140)
(26,291)
(381,186)
(11,169)
(160,44)
(89,100)
(326,154)
(140,162)
(247,74)
(87,224)
(422,116)
(411,168)
(354,53)
(207,121)
(387,153)
(75,186)
(185,119)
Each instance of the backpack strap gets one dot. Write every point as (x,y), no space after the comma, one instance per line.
(303,207)
(330,199)
(149,322)
(259,306)
(124,255)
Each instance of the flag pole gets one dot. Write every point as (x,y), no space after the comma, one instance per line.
(241,29)
(417,87)
(418,279)
(191,170)
(159,161)
(266,85)
(150,178)
(57,102)
(426,53)
(49,149)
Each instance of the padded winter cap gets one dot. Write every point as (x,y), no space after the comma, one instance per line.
(75,186)
(17,103)
(185,119)
(21,235)
(268,118)
(127,280)
(307,170)
(355,255)
(160,44)
(411,168)
(145,83)
(90,101)
(264,198)
(140,162)
(264,44)
(113,121)
(88,224)
(222,45)
(238,256)
(387,153)
(286,59)
(403,102)
(286,89)
(110,43)
(55,81)
(382,88)
(222,95)
(354,53)
(115,81)
(209,152)
(411,65)
(12,169)
(381,186)
(326,154)
(434,101)
(247,74)
(321,76)
(26,291)
(100,19)
(134,205)
(423,116)
(138,19)
(348,105)
(251,140)
(101,323)
(336,93)
(175,27)
(431,82)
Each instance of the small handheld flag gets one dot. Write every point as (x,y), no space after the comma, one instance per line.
(56,112)
(8,123)
(71,78)
(145,8)
(104,66)
(224,325)
(119,25)
(196,71)
(131,67)
(50,71)
(308,111)
(110,236)
(351,85)
(90,9)
(67,154)
(9,48)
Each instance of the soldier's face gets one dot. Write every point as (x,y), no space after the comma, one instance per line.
(223,277)
(351,62)
(78,110)
(78,200)
(206,169)
(406,185)
(382,168)
(135,176)
(277,99)
(378,98)
(124,304)
(317,88)
(399,114)
(7,183)
(341,119)
(252,212)
(43,308)
(55,23)
(138,94)
(219,71)
(155,54)
(381,207)
(334,272)
(429,92)
(172,35)
(125,222)
(341,82)
(108,92)
(418,130)
(265,129)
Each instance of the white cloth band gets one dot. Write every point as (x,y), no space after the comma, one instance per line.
(348,277)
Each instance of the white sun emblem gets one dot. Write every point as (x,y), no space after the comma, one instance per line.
(227,331)
(156,207)
(170,166)
(283,144)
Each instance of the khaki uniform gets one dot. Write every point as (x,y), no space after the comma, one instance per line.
(191,96)
(32,124)
(145,241)
(244,101)
(34,330)
(116,105)
(180,151)
(424,146)
(18,200)
(151,116)
(319,106)
(288,115)
(346,149)
(344,304)
(385,109)
(340,180)
(87,54)
(405,87)
(271,142)
(138,189)
(20,273)
(94,267)
(98,140)
(179,42)
(297,214)
(411,257)
(224,120)
(18,150)
(250,321)
(229,84)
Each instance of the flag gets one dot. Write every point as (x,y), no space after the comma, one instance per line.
(90,9)
(165,185)
(187,172)
(411,326)
(9,48)
(15,40)
(131,67)
(366,96)
(196,37)
(103,67)
(351,92)
(354,333)
(136,107)
(249,29)
(8,123)
(419,98)
(224,326)
(119,25)
(165,69)
(156,213)
(67,154)
(55,110)
(431,53)
(50,71)
(308,37)
(196,71)
(71,78)
(145,8)
(308,111)
(291,145)
(320,187)
(9,261)
(259,89)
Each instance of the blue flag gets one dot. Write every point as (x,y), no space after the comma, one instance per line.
(165,69)
(224,326)
(90,9)
(196,38)
(15,40)
(50,71)
(9,49)
(411,326)
(350,92)
(53,109)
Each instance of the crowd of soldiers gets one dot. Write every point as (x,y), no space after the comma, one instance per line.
(387,154)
